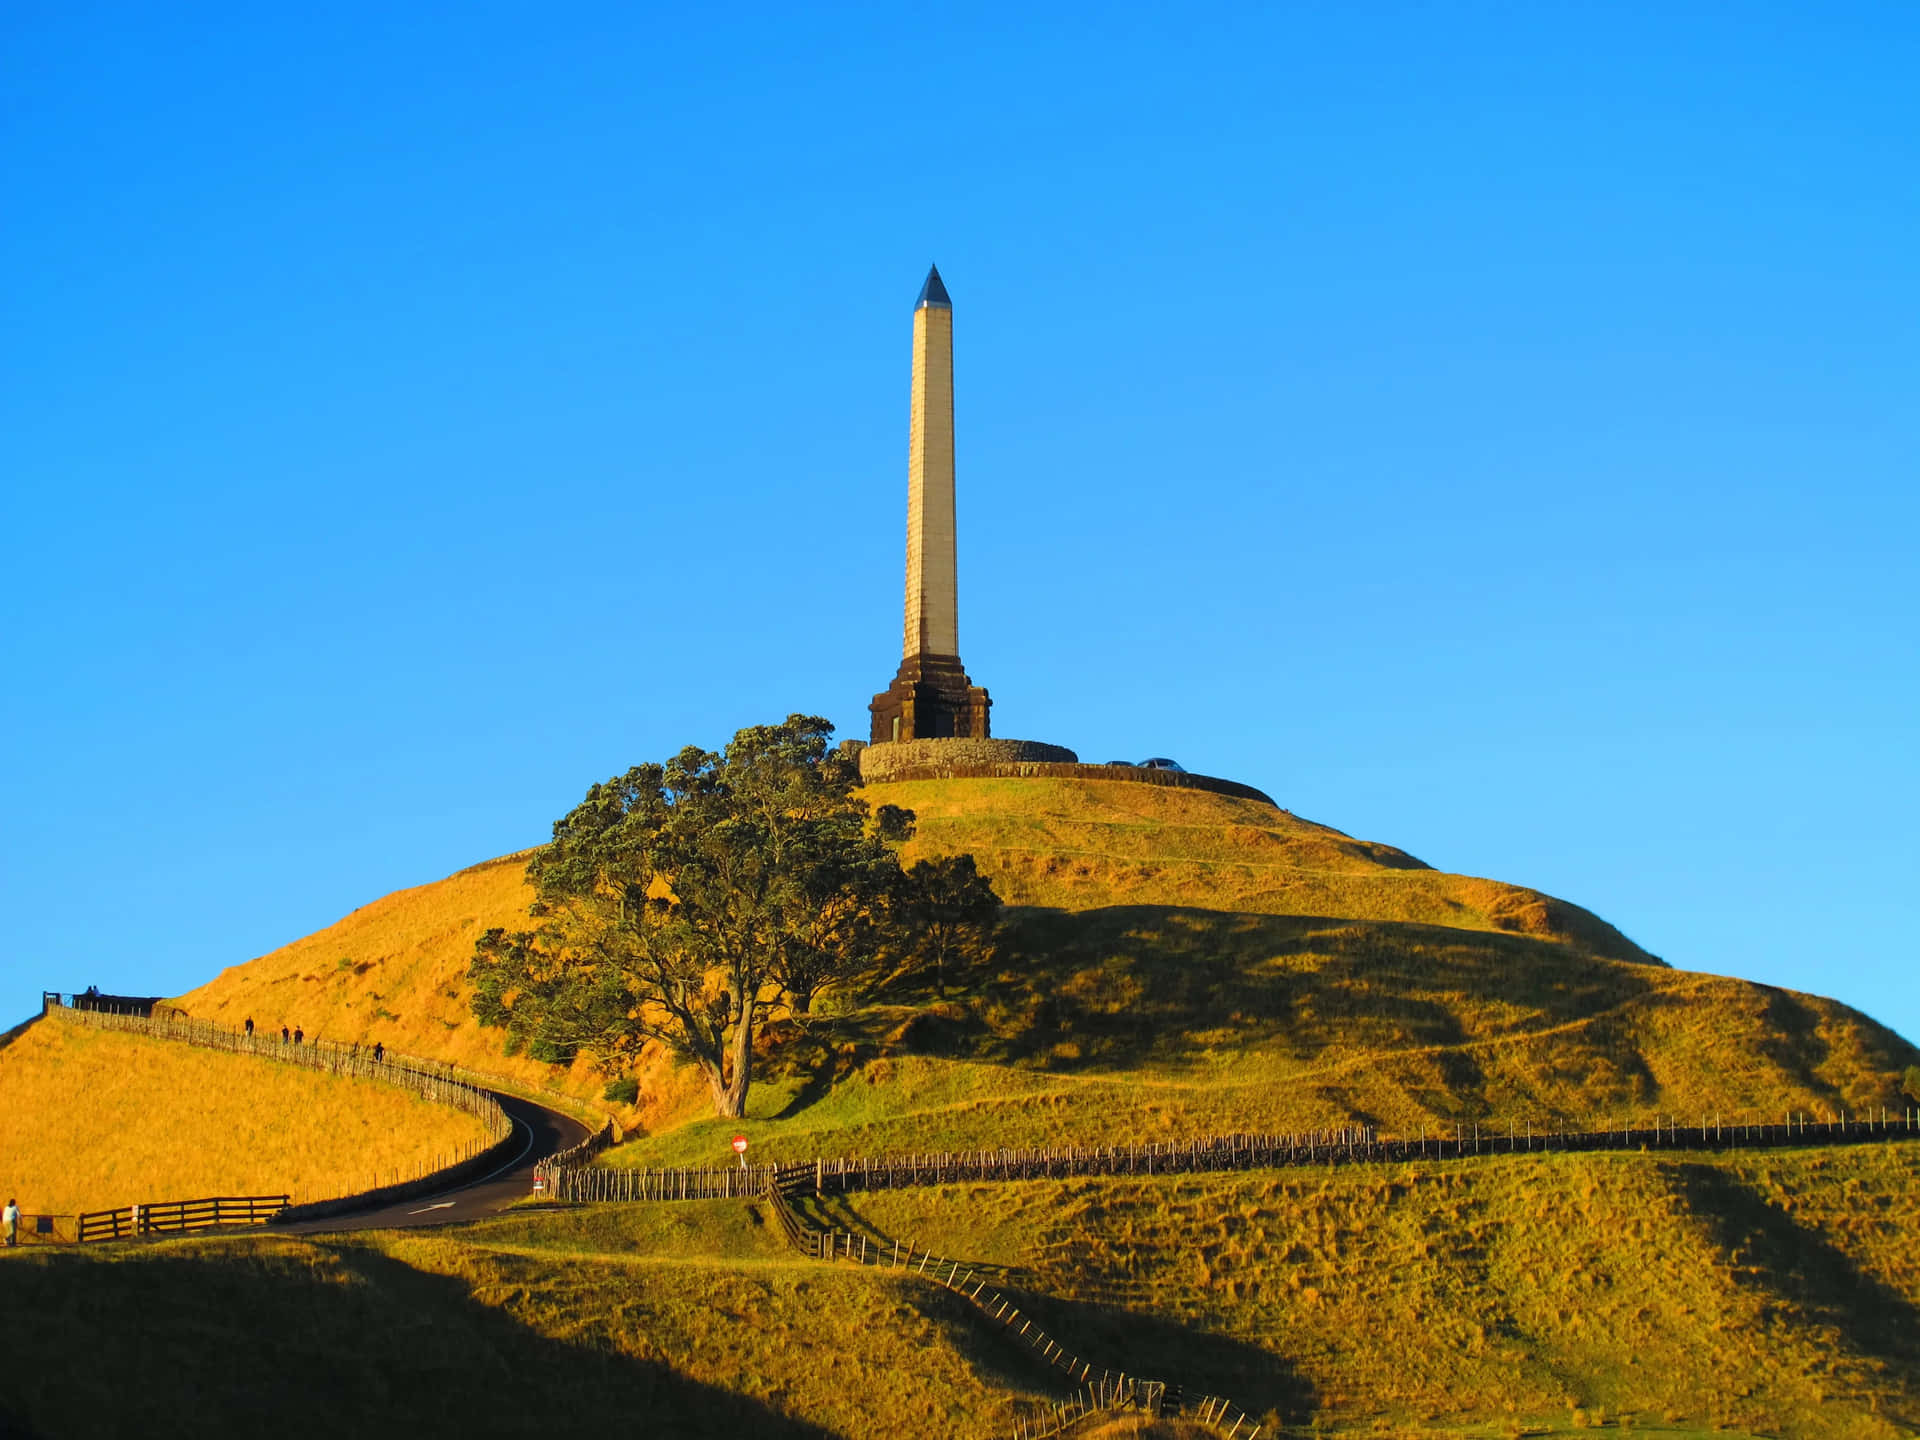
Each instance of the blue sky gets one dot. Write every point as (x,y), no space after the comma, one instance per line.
(1489,429)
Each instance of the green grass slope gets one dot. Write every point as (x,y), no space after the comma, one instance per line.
(1176,962)
(1771,1293)
(1761,1295)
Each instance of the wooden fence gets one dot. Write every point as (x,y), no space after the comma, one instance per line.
(426,1078)
(1103,1389)
(267,1042)
(590,1184)
(573,1157)
(173,1217)
(1354,1146)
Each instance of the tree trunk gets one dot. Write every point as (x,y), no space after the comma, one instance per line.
(731,1096)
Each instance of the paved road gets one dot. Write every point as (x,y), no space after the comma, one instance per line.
(539,1131)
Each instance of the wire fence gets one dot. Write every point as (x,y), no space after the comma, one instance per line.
(568,1180)
(1095,1389)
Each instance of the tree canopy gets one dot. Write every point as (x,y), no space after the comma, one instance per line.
(683,902)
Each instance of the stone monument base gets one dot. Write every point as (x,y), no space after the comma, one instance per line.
(1019,760)
(925,759)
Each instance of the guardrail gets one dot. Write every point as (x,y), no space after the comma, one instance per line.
(173,1217)
(1105,1389)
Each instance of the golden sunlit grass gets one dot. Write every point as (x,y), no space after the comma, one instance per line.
(93,1120)
(1771,1294)
(1778,1292)
(1175,961)
(395,971)
(1088,844)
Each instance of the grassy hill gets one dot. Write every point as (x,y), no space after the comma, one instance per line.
(1087,844)
(683,1321)
(1773,1293)
(1177,962)
(92,1120)
(394,971)
(1172,961)
(1656,1295)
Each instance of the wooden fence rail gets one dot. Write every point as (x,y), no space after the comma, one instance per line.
(1096,1389)
(427,1079)
(172,1217)
(1356,1146)
(266,1042)
(574,1156)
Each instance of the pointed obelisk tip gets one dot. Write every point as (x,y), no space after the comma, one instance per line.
(933,292)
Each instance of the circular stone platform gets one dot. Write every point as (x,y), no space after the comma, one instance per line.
(1021,759)
(930,759)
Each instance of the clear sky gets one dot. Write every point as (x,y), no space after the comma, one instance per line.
(1491,429)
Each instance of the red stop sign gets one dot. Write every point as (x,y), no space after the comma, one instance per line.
(739,1144)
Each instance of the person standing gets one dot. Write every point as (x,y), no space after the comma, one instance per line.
(249,1027)
(10,1218)
(299,1035)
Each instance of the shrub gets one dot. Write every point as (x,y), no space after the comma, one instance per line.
(551,1052)
(1911,1083)
(624,1091)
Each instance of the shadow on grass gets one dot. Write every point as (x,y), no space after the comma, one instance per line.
(1801,1264)
(1462,1023)
(816,1071)
(323,1341)
(1114,1338)
(825,1212)
(1106,1335)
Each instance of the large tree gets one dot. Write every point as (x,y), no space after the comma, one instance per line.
(684,902)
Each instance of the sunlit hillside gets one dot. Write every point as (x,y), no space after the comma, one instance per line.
(1081,844)
(1172,961)
(1178,962)
(1771,1293)
(395,971)
(1669,1295)
(93,1120)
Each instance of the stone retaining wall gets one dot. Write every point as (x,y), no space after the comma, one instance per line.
(1171,779)
(890,760)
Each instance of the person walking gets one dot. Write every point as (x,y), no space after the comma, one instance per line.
(379,1051)
(10,1218)
(249,1027)
(286,1035)
(299,1035)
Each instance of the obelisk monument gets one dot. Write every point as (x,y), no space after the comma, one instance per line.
(931,697)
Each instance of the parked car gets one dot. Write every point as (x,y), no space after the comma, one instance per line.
(1160,762)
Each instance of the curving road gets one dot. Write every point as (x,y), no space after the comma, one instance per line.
(540,1132)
